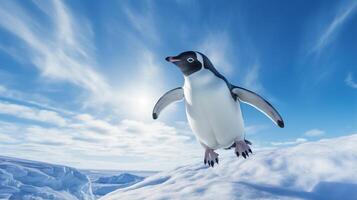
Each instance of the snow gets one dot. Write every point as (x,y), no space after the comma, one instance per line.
(120,179)
(104,185)
(325,169)
(24,179)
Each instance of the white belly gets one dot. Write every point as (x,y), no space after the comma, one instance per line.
(214,117)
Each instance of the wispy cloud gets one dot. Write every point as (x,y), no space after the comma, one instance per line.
(143,21)
(135,99)
(314,133)
(350,82)
(251,79)
(216,46)
(86,139)
(253,129)
(334,26)
(297,141)
(25,112)
(61,54)
(33,99)
(64,53)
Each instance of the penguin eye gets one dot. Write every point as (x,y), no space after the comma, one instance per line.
(190,60)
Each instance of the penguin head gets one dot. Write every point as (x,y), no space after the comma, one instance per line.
(190,62)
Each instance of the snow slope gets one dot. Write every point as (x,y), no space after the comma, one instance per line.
(105,181)
(326,169)
(107,184)
(24,179)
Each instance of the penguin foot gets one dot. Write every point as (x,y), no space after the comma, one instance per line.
(242,149)
(210,158)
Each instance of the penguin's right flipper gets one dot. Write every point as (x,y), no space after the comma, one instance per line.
(258,102)
(166,99)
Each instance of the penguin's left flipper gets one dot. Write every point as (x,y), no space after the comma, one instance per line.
(253,99)
(166,99)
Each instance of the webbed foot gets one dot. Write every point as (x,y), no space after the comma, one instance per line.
(242,148)
(210,157)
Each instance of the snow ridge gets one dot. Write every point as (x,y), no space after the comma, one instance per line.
(325,169)
(23,179)
(104,185)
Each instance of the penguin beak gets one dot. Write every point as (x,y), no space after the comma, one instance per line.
(172,59)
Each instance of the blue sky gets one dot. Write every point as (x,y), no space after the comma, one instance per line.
(78,79)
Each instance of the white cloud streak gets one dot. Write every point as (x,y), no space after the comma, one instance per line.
(216,46)
(297,141)
(60,54)
(251,79)
(138,95)
(333,27)
(25,112)
(30,99)
(253,129)
(65,54)
(350,82)
(143,22)
(314,133)
(86,139)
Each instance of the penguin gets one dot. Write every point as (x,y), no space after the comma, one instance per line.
(213,106)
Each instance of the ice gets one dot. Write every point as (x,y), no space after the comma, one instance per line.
(120,179)
(108,184)
(23,179)
(325,169)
